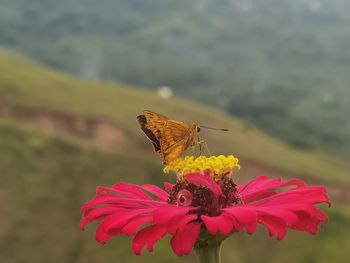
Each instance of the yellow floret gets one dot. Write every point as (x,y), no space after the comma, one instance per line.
(216,166)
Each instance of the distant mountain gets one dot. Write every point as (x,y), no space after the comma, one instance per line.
(283,65)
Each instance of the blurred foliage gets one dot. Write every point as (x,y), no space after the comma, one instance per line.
(281,64)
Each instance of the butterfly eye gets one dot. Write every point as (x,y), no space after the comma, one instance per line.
(198,129)
(184,198)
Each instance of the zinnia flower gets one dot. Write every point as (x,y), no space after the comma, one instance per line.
(203,207)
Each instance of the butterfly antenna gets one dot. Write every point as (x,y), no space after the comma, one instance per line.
(210,128)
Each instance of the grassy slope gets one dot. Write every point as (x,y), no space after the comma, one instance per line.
(44,181)
(25,83)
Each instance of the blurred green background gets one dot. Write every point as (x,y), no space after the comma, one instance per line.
(75,74)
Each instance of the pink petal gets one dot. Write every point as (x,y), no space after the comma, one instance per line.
(184,239)
(119,201)
(130,190)
(199,179)
(287,216)
(310,220)
(257,187)
(180,222)
(164,214)
(98,200)
(161,194)
(274,226)
(106,199)
(236,225)
(217,224)
(244,215)
(251,228)
(97,213)
(102,236)
(302,196)
(131,227)
(147,237)
(118,220)
(168,186)
(297,182)
(293,208)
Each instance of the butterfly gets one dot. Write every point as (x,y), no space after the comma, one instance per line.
(169,138)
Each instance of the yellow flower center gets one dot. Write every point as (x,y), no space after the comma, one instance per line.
(217,166)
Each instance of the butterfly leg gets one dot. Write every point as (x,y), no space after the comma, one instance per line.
(194,151)
(194,148)
(206,147)
(203,143)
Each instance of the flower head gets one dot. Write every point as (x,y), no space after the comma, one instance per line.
(214,166)
(204,199)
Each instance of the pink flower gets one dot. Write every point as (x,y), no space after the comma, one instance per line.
(198,203)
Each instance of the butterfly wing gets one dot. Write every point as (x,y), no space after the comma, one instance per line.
(154,140)
(152,125)
(155,122)
(173,152)
(174,138)
(169,138)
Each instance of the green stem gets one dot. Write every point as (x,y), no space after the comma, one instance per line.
(209,253)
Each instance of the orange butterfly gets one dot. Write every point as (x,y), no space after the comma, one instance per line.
(169,137)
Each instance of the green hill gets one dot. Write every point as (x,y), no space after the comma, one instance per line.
(33,86)
(51,161)
(280,64)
